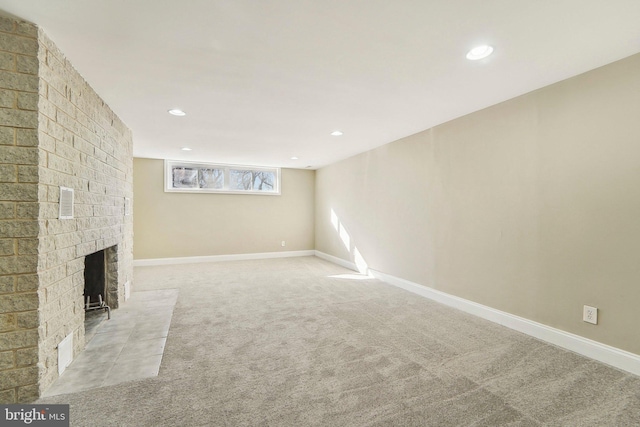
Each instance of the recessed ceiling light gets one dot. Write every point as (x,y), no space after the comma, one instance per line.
(479,52)
(336,133)
(294,158)
(177,112)
(186,149)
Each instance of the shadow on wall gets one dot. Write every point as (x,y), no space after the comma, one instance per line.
(354,253)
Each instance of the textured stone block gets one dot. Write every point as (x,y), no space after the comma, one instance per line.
(60,164)
(48,193)
(57,62)
(8,396)
(11,303)
(75,266)
(52,80)
(28,174)
(26,283)
(47,244)
(25,211)
(8,322)
(66,240)
(7,136)
(96,187)
(8,173)
(18,44)
(26,29)
(6,284)
(7,98)
(68,138)
(27,137)
(18,265)
(85,249)
(54,129)
(7,61)
(93,137)
(51,210)
(7,360)
(18,155)
(17,81)
(60,226)
(18,377)
(7,210)
(53,275)
(83,145)
(28,246)
(7,247)
(91,235)
(100,155)
(28,101)
(19,192)
(48,45)
(83,211)
(27,64)
(59,257)
(19,118)
(28,393)
(7,24)
(28,320)
(56,290)
(67,151)
(108,148)
(27,356)
(48,177)
(18,339)
(48,110)
(67,122)
(60,100)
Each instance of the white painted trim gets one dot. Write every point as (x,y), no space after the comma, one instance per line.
(346,264)
(613,356)
(219,258)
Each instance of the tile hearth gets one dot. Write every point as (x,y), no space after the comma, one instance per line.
(127,347)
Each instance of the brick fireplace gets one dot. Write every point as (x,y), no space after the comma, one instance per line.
(55,131)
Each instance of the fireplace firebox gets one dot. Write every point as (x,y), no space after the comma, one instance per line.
(96,295)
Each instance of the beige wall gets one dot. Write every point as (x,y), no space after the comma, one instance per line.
(531,206)
(168,225)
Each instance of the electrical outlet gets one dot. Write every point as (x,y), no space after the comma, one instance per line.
(283,244)
(590,314)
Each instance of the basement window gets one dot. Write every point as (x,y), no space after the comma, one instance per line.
(191,177)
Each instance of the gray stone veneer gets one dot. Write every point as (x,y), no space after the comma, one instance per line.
(54,131)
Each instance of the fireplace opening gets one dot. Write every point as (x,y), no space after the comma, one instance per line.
(95,283)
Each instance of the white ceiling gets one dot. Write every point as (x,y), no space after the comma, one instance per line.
(264,80)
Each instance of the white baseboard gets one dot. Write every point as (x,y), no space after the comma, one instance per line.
(346,264)
(219,258)
(613,356)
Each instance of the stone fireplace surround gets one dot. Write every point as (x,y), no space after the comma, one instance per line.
(55,131)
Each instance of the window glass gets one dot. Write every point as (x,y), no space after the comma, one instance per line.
(240,179)
(218,178)
(212,178)
(185,177)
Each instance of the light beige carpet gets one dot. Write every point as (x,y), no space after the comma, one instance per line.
(284,342)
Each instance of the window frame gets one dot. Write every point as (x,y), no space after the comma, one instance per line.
(169,165)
